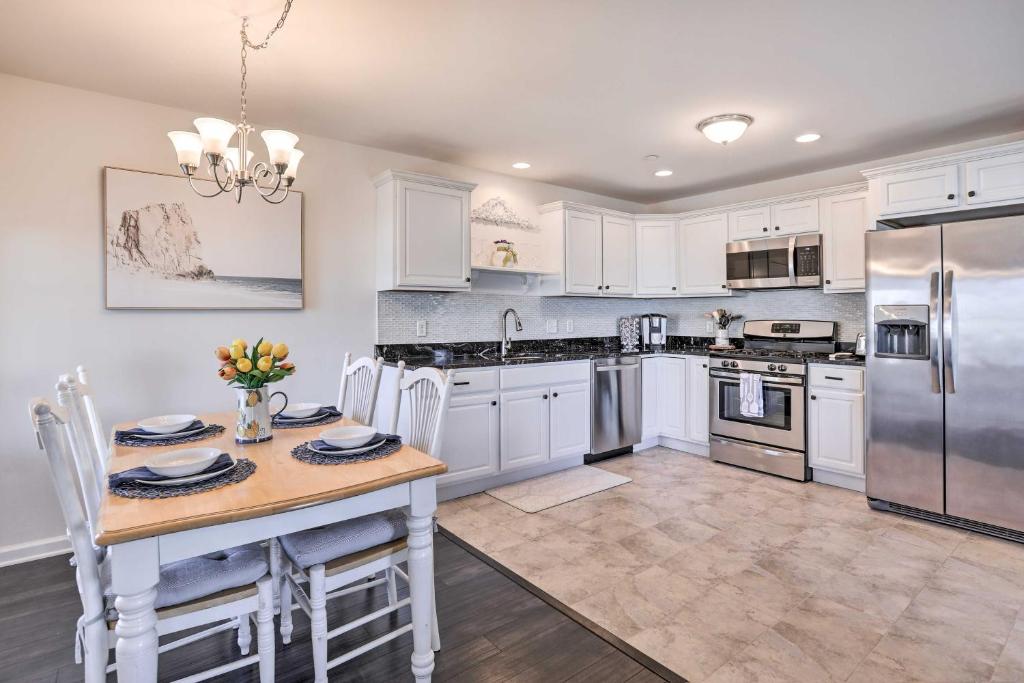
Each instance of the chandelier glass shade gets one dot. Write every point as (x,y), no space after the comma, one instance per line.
(231,168)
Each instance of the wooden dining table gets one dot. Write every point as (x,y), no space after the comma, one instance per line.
(282,496)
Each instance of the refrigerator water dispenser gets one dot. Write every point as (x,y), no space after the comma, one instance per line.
(901,332)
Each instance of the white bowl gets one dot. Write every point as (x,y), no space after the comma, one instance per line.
(183,462)
(348,437)
(166,424)
(300,410)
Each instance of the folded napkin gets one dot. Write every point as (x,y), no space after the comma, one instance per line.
(751,395)
(327,448)
(325,411)
(223,462)
(198,424)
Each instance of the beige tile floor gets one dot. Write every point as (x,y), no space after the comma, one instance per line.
(725,575)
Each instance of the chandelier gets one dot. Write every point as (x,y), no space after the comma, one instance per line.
(229,167)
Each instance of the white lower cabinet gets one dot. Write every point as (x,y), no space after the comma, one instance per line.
(525,427)
(835,422)
(470,445)
(674,398)
(650,372)
(569,420)
(698,384)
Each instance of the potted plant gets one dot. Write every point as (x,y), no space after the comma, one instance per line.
(250,371)
(723,319)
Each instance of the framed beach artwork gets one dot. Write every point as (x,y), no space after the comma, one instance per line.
(167,247)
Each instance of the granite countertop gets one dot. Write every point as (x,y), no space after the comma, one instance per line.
(469,361)
(856,361)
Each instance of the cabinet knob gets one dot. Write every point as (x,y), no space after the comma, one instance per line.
(704,365)
(599,287)
(776,227)
(554,395)
(813,397)
(468,279)
(971,193)
(828,282)
(950,196)
(723,287)
(673,289)
(545,397)
(494,403)
(607,286)
(764,229)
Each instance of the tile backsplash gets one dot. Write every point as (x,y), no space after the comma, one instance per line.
(468,317)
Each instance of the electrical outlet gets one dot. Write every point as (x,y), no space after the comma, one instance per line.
(552,325)
(568,325)
(421,328)
(709,326)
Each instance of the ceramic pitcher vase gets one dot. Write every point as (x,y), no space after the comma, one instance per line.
(253,421)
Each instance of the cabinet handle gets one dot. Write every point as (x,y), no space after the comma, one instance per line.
(776,227)
(971,193)
(950,196)
(813,397)
(554,395)
(764,229)
(545,397)
(460,384)
(494,403)
(837,379)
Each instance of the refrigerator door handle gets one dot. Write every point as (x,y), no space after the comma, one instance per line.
(933,325)
(947,331)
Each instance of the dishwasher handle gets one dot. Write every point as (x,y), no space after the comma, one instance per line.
(616,368)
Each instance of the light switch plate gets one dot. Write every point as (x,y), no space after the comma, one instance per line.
(568,325)
(709,326)
(552,325)
(421,328)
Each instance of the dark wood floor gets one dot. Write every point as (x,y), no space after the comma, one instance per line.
(491,630)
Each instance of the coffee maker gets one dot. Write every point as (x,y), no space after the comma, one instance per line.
(653,332)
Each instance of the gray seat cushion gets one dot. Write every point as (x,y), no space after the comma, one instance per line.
(323,544)
(198,577)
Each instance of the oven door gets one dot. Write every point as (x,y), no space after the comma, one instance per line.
(783,421)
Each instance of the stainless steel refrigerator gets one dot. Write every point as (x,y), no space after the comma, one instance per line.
(945,372)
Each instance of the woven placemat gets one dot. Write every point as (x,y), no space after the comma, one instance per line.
(240,472)
(325,420)
(135,442)
(305,454)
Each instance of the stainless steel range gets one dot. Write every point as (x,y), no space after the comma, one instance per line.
(778,351)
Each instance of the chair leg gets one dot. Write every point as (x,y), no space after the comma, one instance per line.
(97,652)
(389,573)
(274,546)
(318,621)
(285,591)
(244,634)
(435,633)
(265,629)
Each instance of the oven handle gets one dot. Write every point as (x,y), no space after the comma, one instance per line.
(774,381)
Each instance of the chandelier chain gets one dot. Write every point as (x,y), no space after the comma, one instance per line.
(246,43)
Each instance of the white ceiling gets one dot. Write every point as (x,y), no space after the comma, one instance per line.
(582,89)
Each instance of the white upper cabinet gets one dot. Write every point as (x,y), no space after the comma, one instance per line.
(748,224)
(656,259)
(618,255)
(997,179)
(790,218)
(423,238)
(702,243)
(697,390)
(844,220)
(917,191)
(582,252)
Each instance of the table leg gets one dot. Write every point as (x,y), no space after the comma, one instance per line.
(423,503)
(135,575)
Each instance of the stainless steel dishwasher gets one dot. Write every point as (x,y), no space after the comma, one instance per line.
(615,420)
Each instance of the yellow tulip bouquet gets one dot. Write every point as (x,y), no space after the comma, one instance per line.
(252,369)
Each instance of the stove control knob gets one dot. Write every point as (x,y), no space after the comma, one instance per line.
(771,367)
(725,363)
(734,364)
(782,368)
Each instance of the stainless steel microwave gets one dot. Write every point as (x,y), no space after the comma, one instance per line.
(775,262)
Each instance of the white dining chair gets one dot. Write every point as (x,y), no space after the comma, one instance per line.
(89,452)
(99,436)
(223,589)
(347,557)
(360,382)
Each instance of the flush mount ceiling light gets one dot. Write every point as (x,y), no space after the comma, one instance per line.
(663,173)
(651,157)
(725,128)
(229,166)
(807,137)
(521,165)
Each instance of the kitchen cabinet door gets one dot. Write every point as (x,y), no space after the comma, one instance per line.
(844,220)
(749,224)
(791,218)
(470,446)
(915,191)
(656,259)
(570,419)
(650,372)
(998,179)
(702,243)
(835,433)
(432,241)
(582,253)
(525,428)
(672,397)
(697,399)
(618,255)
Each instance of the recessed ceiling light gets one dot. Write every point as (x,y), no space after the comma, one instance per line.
(663,173)
(725,128)
(521,165)
(651,157)
(808,137)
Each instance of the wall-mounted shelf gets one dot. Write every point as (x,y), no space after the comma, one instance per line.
(499,280)
(520,271)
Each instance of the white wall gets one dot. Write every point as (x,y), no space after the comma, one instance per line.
(54,142)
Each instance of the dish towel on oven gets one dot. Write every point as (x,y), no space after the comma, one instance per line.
(751,395)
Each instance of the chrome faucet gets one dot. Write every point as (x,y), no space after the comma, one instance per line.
(506,338)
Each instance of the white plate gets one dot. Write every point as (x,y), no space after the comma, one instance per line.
(300,410)
(352,436)
(182,462)
(299,420)
(159,437)
(194,479)
(166,424)
(348,451)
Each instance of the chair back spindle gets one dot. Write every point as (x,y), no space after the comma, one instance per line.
(429,392)
(360,382)
(88,400)
(85,458)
